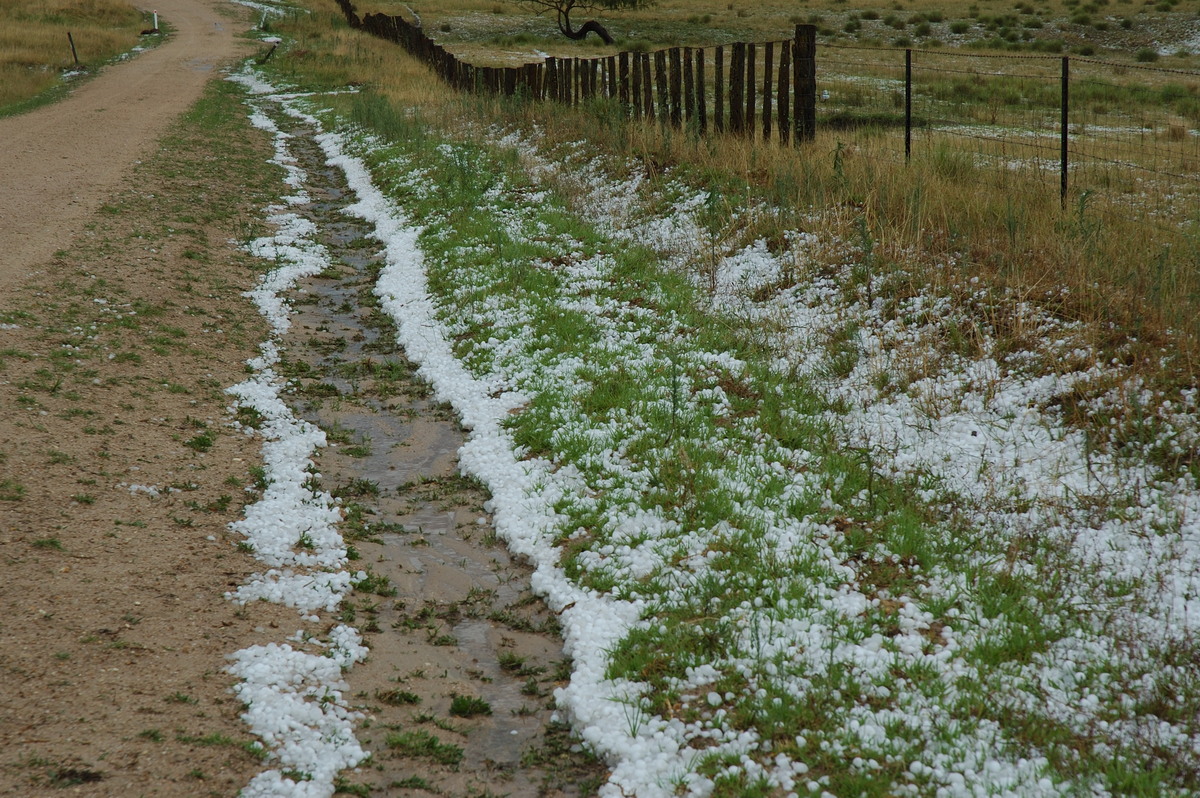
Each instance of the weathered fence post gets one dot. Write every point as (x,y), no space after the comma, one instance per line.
(785,111)
(1065,124)
(689,86)
(768,80)
(610,64)
(737,79)
(805,58)
(750,53)
(660,79)
(676,87)
(805,67)
(635,84)
(551,78)
(701,91)
(623,82)
(647,91)
(907,105)
(719,90)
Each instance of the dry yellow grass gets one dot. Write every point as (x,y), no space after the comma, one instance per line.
(34,49)
(326,51)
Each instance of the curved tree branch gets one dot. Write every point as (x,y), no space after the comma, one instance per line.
(591,26)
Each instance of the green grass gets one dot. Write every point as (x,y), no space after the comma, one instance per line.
(251,747)
(397,697)
(375,583)
(463,706)
(423,744)
(11,490)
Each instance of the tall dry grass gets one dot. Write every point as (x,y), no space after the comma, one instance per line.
(34,49)
(327,52)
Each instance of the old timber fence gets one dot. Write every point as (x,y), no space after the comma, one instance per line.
(765,89)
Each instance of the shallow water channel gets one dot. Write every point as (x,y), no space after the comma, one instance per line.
(463,657)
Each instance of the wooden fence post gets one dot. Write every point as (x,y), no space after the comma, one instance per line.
(660,79)
(676,88)
(623,82)
(737,79)
(647,92)
(750,51)
(635,84)
(701,91)
(785,111)
(768,80)
(719,89)
(805,58)
(1064,130)
(689,86)
(908,105)
(551,78)
(611,64)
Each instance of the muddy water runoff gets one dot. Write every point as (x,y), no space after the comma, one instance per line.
(463,657)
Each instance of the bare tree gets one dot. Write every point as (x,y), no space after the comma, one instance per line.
(563,8)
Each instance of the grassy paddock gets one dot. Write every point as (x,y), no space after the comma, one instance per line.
(1004,227)
(501,30)
(34,50)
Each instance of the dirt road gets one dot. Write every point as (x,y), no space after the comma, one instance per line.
(121,322)
(58,163)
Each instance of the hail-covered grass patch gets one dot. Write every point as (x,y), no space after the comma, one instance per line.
(815,523)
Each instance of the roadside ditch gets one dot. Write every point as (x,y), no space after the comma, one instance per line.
(464,658)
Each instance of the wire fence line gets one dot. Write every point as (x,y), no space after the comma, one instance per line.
(1128,132)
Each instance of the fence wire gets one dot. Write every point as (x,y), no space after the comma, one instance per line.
(1132,132)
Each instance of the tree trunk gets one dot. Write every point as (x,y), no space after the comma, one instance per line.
(591,26)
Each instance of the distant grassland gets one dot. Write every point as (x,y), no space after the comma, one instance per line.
(34,50)
(505,30)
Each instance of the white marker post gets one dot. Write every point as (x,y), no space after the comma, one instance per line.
(156,20)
